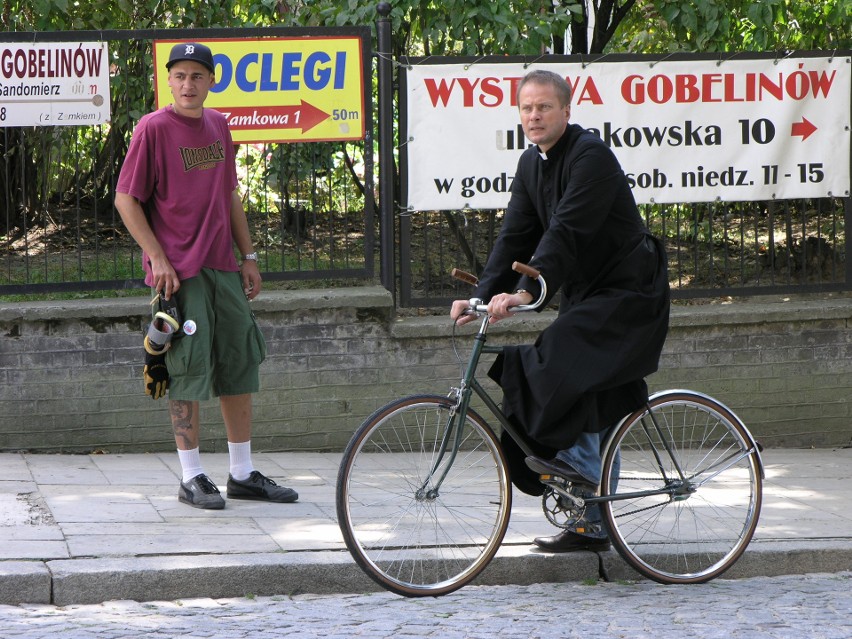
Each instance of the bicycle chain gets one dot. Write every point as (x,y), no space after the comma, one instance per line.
(640,510)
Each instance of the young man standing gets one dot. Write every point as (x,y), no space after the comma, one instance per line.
(177,195)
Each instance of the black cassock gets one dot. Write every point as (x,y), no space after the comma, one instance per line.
(573,217)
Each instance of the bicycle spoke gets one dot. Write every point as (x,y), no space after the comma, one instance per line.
(688,493)
(404,502)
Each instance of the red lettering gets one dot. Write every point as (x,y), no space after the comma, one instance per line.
(632,89)
(797,85)
(439,92)
(493,92)
(707,82)
(491,88)
(660,89)
(775,90)
(730,88)
(821,83)
(686,88)
(750,85)
(513,90)
(467,89)
(589,93)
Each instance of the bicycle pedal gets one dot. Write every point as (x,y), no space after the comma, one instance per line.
(554,481)
(560,484)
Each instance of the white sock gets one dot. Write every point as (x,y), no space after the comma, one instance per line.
(190,463)
(240,455)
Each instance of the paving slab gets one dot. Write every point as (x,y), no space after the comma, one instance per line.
(90,528)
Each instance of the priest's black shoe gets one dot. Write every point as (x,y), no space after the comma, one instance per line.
(555,467)
(569,541)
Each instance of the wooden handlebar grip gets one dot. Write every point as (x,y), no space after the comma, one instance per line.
(466,277)
(524,269)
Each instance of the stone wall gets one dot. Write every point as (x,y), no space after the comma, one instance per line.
(70,372)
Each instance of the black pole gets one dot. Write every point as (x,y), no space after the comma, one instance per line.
(385,128)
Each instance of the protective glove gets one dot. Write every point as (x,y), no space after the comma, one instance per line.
(156,375)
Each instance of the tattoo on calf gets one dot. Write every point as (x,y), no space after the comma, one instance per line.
(181,412)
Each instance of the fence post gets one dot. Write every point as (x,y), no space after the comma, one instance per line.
(385,128)
(847,224)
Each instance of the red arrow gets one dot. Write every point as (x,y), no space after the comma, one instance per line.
(309,116)
(304,116)
(803,128)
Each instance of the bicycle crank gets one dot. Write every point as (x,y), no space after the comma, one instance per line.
(561,508)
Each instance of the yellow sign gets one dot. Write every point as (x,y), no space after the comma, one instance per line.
(282,89)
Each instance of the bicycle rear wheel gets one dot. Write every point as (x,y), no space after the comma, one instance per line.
(417,519)
(689,488)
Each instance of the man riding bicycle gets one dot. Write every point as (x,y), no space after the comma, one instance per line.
(572,217)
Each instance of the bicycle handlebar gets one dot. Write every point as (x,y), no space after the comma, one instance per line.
(480,306)
(464,276)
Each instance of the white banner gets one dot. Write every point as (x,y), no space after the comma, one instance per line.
(684,131)
(54,84)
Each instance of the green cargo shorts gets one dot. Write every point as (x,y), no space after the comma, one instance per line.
(221,347)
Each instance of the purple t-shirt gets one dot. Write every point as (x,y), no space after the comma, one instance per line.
(184,171)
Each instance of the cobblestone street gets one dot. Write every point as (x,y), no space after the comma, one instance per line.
(815,606)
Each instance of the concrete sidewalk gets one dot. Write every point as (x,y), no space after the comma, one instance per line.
(78,529)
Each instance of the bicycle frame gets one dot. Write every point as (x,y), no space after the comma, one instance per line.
(469,386)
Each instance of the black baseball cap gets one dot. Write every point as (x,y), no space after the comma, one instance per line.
(191,51)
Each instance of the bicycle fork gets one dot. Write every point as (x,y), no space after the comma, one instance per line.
(450,442)
(453,434)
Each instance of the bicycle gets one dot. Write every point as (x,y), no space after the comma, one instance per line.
(424,496)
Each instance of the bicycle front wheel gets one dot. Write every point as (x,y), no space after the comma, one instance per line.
(687,485)
(420,515)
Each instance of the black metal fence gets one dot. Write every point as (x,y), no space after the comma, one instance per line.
(311,206)
(313,213)
(714,249)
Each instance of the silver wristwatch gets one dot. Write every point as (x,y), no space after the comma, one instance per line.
(250,256)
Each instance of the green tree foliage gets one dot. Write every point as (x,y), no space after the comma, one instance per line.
(513,27)
(66,15)
(453,27)
(662,26)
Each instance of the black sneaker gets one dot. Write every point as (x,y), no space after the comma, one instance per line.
(200,492)
(261,488)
